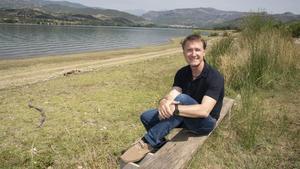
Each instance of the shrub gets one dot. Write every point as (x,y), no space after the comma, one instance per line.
(294,28)
(213,34)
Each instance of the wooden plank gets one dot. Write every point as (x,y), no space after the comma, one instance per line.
(178,152)
(136,165)
(147,158)
(130,166)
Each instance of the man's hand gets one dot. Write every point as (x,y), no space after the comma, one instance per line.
(166,108)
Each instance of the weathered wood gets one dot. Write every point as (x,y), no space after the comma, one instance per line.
(147,158)
(178,152)
(131,166)
(134,165)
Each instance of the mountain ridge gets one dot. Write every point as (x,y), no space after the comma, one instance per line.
(64,12)
(204,17)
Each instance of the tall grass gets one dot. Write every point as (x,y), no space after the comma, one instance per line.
(271,49)
(248,119)
(261,56)
(219,49)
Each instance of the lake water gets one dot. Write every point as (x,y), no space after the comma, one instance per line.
(37,40)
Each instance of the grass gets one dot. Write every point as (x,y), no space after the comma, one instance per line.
(219,49)
(91,117)
(266,136)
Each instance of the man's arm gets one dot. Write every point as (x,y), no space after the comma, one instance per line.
(173,93)
(198,110)
(165,109)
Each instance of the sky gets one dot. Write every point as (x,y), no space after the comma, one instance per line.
(271,6)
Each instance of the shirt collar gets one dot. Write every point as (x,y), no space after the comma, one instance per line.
(204,72)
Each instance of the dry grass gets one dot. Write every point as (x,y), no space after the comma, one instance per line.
(90,117)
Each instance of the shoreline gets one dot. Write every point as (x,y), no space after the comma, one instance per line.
(90,53)
(77,53)
(20,72)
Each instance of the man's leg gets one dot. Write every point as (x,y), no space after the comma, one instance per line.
(201,126)
(150,118)
(155,136)
(158,129)
(186,99)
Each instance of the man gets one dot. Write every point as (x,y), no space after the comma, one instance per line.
(194,103)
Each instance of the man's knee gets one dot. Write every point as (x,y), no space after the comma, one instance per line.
(144,117)
(149,116)
(204,130)
(204,127)
(186,99)
(182,97)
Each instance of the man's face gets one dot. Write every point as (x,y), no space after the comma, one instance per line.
(194,53)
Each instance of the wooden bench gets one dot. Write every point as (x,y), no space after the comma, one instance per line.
(179,150)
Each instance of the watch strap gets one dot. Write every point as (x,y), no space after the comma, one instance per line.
(176,111)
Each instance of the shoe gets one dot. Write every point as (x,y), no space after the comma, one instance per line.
(137,152)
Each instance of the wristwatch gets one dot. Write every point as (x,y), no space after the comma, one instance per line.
(176,111)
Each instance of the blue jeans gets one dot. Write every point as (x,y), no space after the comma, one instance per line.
(157,129)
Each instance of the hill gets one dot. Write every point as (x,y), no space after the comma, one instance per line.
(15,4)
(63,12)
(205,17)
(32,16)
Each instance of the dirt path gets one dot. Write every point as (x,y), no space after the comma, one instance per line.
(37,74)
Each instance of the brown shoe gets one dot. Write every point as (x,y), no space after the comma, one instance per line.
(137,152)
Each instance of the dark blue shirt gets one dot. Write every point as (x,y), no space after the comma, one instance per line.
(210,83)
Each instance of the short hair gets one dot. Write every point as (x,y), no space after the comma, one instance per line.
(193,37)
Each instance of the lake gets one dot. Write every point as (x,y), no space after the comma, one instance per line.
(21,41)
